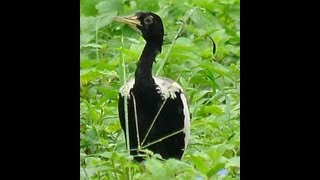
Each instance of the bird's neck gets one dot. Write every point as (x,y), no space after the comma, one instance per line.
(143,74)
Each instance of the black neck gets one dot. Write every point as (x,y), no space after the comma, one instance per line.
(143,74)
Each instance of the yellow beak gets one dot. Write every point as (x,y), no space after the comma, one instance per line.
(130,20)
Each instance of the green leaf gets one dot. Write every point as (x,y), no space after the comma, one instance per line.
(227,1)
(105,19)
(216,167)
(87,23)
(214,109)
(89,75)
(107,6)
(87,7)
(217,151)
(202,162)
(153,166)
(86,37)
(85,64)
(147,5)
(205,20)
(216,68)
(233,162)
(105,154)
(173,167)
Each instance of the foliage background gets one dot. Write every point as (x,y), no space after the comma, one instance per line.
(211,82)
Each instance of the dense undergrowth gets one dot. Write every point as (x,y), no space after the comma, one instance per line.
(211,82)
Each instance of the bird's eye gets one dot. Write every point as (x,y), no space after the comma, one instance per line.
(148,20)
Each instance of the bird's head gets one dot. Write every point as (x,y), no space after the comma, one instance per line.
(149,24)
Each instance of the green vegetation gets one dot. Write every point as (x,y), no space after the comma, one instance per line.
(108,55)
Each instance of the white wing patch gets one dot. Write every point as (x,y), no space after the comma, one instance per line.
(165,86)
(125,89)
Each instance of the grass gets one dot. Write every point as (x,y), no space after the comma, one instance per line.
(109,52)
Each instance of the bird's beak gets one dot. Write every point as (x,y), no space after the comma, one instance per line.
(130,20)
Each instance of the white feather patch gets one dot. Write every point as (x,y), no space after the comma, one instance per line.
(125,89)
(186,128)
(165,86)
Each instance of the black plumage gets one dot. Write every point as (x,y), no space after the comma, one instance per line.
(158,103)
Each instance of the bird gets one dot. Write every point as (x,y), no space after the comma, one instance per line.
(158,112)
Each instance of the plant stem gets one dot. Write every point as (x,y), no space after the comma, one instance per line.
(186,17)
(122,82)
